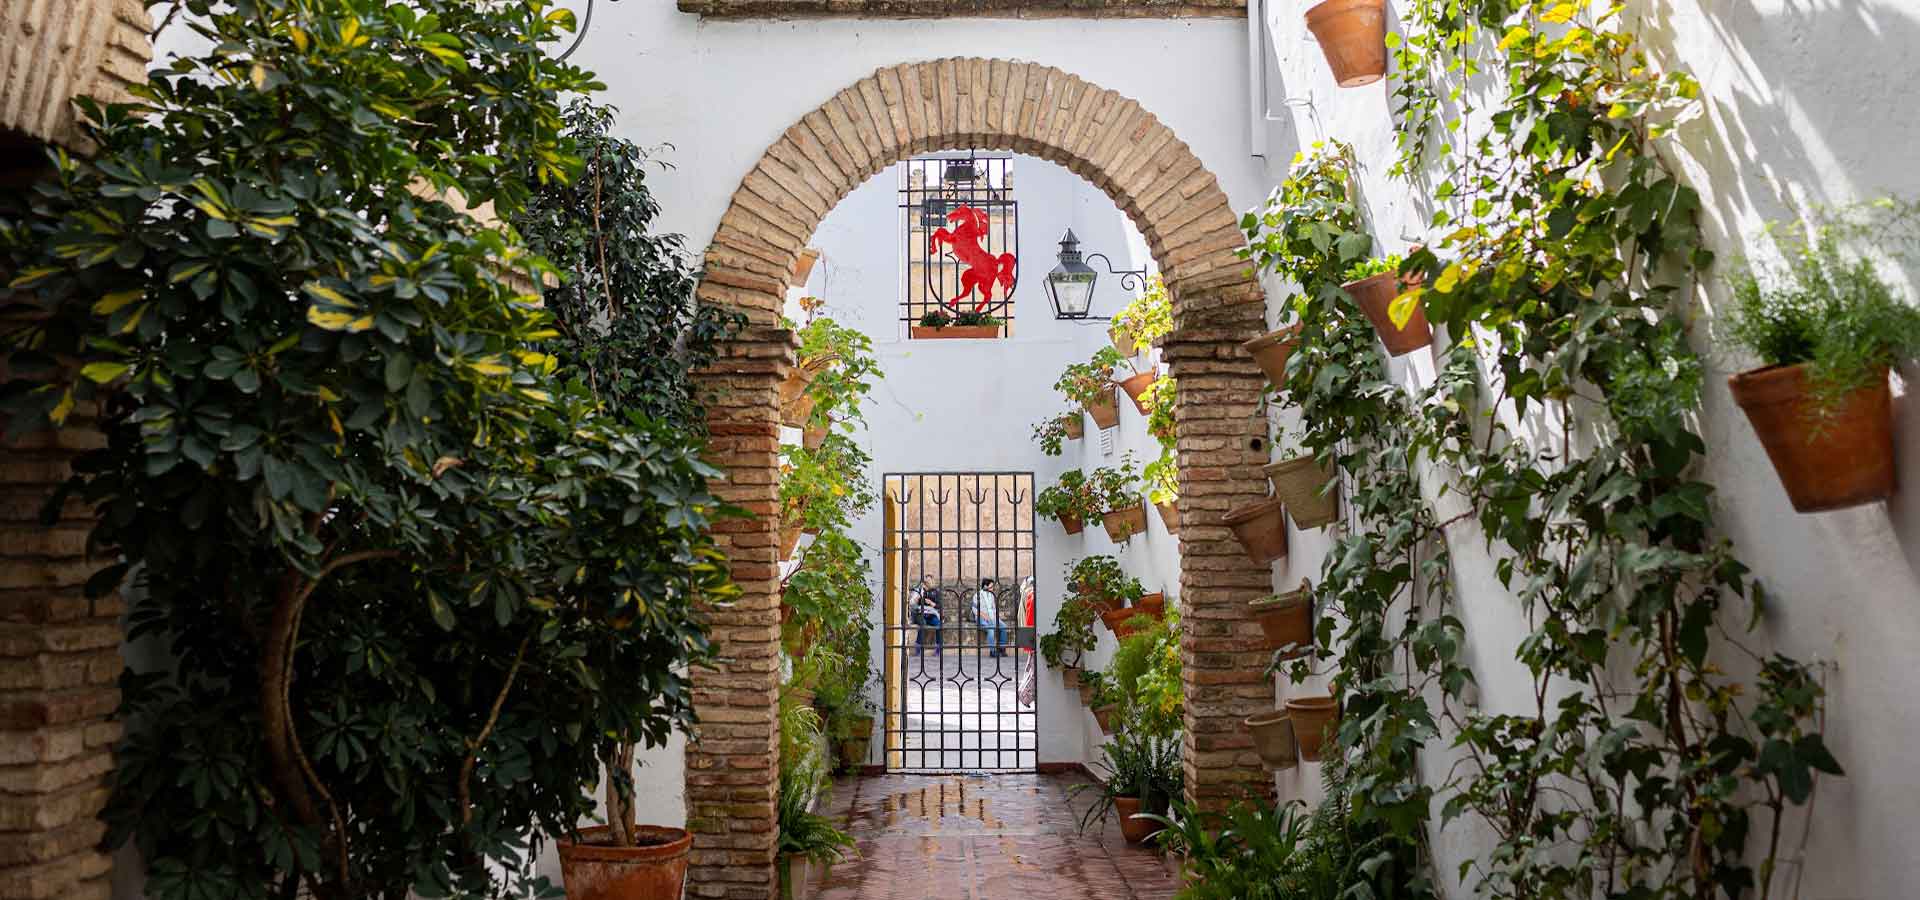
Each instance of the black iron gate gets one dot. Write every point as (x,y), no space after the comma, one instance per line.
(961,637)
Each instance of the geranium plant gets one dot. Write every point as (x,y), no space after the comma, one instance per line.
(1091,382)
(1069,498)
(1149,316)
(1116,487)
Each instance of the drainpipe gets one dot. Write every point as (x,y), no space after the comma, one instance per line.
(1257,78)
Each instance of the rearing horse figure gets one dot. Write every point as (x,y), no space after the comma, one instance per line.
(982,268)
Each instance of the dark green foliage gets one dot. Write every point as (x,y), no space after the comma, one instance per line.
(413,581)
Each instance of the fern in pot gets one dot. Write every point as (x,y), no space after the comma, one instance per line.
(1827,326)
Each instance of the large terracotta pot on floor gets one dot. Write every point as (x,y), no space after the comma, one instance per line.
(1271,351)
(1134,830)
(1314,721)
(1826,458)
(1353,37)
(1261,528)
(656,870)
(1273,738)
(1104,413)
(1375,295)
(1297,483)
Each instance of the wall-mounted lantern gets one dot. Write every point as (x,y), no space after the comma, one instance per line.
(1070,284)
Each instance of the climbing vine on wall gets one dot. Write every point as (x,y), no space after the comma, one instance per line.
(1658,754)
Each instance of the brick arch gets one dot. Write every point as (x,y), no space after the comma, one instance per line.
(1194,235)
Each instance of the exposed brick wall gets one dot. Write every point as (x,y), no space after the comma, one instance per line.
(52,52)
(935,9)
(732,771)
(59,662)
(1193,233)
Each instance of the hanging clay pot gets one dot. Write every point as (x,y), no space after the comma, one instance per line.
(1261,528)
(1273,739)
(1169,516)
(1827,458)
(1298,482)
(1070,677)
(1135,830)
(811,437)
(1076,429)
(1122,524)
(796,405)
(1086,693)
(1123,340)
(1271,351)
(1136,387)
(1375,294)
(1154,604)
(1072,524)
(1104,413)
(1314,721)
(1286,620)
(1104,716)
(953,332)
(1353,37)
(655,868)
(790,540)
(804,266)
(1116,621)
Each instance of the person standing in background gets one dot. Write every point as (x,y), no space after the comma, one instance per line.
(986,611)
(923,605)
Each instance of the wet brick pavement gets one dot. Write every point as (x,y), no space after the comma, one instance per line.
(1002,837)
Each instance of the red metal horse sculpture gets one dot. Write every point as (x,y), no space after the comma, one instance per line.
(983,268)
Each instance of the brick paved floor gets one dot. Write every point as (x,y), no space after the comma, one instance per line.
(1002,837)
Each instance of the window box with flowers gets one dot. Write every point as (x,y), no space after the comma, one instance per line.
(940,325)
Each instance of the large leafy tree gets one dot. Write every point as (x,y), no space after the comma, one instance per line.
(411,574)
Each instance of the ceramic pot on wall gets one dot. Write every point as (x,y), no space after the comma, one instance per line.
(1273,738)
(1104,413)
(1297,482)
(1104,716)
(1314,719)
(1122,524)
(1353,37)
(1827,458)
(655,869)
(1169,516)
(1374,295)
(1123,340)
(1286,620)
(1076,429)
(1261,528)
(1072,524)
(953,332)
(1271,351)
(1136,387)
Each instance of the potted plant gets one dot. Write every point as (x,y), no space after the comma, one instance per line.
(1125,623)
(1136,772)
(805,837)
(969,325)
(1353,37)
(1308,489)
(1053,434)
(853,733)
(1261,528)
(1091,682)
(1116,495)
(1137,385)
(1273,738)
(1374,284)
(1312,717)
(1271,351)
(1827,328)
(803,267)
(1099,580)
(1106,701)
(1090,384)
(1070,501)
(1071,639)
(1163,490)
(1158,400)
(1154,604)
(1145,319)
(1286,620)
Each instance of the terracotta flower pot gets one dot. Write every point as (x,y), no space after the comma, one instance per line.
(1104,413)
(954,332)
(796,405)
(1116,621)
(1353,37)
(656,869)
(1169,516)
(1104,716)
(1271,351)
(1076,429)
(853,750)
(790,540)
(799,876)
(1261,528)
(1313,721)
(1072,524)
(1286,620)
(1136,387)
(1826,458)
(1297,483)
(1273,739)
(1122,524)
(1154,604)
(811,438)
(1086,693)
(1374,294)
(803,267)
(1136,831)
(1070,677)
(1123,340)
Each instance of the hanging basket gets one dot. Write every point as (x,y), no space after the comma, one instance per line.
(1826,458)
(1104,413)
(1123,341)
(1136,387)
(1314,719)
(1271,351)
(1298,482)
(1122,524)
(1072,524)
(1273,739)
(1076,429)
(1286,620)
(1374,294)
(1261,528)
(1353,37)
(1169,516)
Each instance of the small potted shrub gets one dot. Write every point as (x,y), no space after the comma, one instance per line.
(1116,493)
(1137,777)
(1374,284)
(1091,384)
(1273,738)
(1053,434)
(1100,581)
(1163,491)
(1271,351)
(1286,620)
(1072,638)
(805,838)
(1308,489)
(1827,328)
(1315,719)
(1353,37)
(970,325)
(1070,501)
(1261,528)
(1091,682)
(1159,399)
(1143,320)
